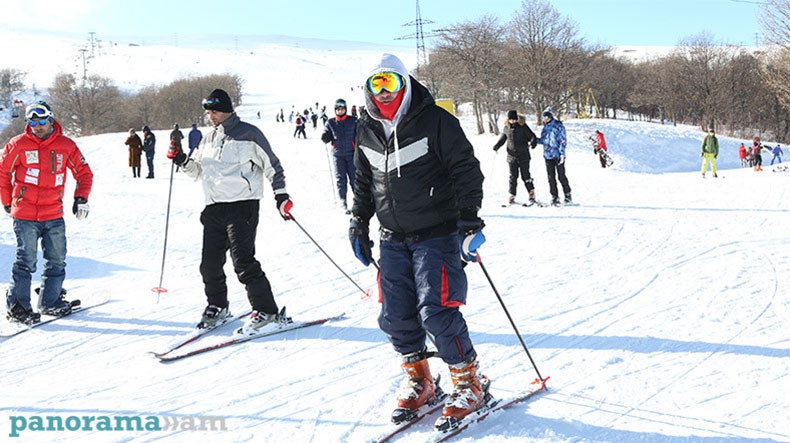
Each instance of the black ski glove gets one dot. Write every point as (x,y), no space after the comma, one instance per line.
(7,209)
(326,137)
(360,241)
(80,207)
(284,205)
(176,154)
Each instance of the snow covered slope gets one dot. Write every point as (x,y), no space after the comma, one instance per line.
(658,307)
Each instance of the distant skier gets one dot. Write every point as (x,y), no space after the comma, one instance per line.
(742,155)
(291,117)
(324,117)
(354,111)
(135,152)
(553,139)
(417,172)
(282,116)
(709,153)
(149,147)
(300,124)
(777,151)
(520,139)
(600,148)
(176,135)
(33,169)
(314,118)
(194,139)
(340,131)
(232,162)
(757,149)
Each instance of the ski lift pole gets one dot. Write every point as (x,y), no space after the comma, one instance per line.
(159,289)
(329,163)
(485,271)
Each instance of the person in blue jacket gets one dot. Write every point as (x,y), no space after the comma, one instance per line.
(777,151)
(554,141)
(340,131)
(195,136)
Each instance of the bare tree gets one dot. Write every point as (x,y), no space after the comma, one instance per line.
(549,54)
(86,107)
(11,80)
(775,20)
(473,51)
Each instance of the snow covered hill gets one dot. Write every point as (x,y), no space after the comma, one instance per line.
(658,307)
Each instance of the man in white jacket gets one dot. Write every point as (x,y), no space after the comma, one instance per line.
(232,161)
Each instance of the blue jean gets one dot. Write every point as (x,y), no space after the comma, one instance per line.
(149,157)
(776,157)
(422,286)
(53,245)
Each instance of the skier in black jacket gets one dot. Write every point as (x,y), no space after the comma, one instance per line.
(417,172)
(520,139)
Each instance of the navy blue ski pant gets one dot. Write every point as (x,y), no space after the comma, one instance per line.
(422,286)
(344,173)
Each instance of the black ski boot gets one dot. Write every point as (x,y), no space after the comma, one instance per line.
(18,314)
(61,307)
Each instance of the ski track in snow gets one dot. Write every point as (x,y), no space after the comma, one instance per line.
(658,306)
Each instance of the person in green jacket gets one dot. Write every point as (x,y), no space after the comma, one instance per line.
(710,150)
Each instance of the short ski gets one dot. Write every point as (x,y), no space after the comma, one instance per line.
(482,413)
(10,329)
(241,339)
(196,334)
(421,413)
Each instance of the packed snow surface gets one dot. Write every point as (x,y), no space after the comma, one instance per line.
(658,306)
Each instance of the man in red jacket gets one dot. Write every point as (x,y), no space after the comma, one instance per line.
(32,177)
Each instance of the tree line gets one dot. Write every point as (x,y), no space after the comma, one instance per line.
(538,59)
(95,105)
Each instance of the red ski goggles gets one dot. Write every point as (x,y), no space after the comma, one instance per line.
(388,81)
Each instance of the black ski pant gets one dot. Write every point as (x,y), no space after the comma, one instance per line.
(232,226)
(602,157)
(556,170)
(300,131)
(519,164)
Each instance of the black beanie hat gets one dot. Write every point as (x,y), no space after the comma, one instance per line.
(218,100)
(512,115)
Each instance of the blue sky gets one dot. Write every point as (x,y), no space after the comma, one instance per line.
(610,22)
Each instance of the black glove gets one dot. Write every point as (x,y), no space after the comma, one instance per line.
(80,207)
(326,137)
(533,143)
(284,205)
(496,149)
(360,241)
(7,209)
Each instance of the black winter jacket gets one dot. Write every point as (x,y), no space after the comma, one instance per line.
(438,175)
(519,139)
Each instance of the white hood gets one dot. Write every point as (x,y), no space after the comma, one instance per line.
(391,63)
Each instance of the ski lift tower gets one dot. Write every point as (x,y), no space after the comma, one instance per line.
(419,35)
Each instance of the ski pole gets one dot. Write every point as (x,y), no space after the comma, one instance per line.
(329,162)
(480,261)
(159,289)
(327,255)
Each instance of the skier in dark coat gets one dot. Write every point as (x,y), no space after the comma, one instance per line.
(417,172)
(149,145)
(340,131)
(176,135)
(194,139)
(520,139)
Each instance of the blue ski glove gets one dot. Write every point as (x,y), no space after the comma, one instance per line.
(470,234)
(360,242)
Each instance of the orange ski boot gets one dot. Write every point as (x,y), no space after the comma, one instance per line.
(419,390)
(470,393)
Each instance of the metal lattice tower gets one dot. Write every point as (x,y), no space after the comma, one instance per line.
(419,35)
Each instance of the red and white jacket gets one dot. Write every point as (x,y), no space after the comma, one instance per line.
(601,142)
(33,174)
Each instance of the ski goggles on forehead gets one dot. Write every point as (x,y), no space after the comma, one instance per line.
(37,111)
(385,81)
(340,105)
(210,103)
